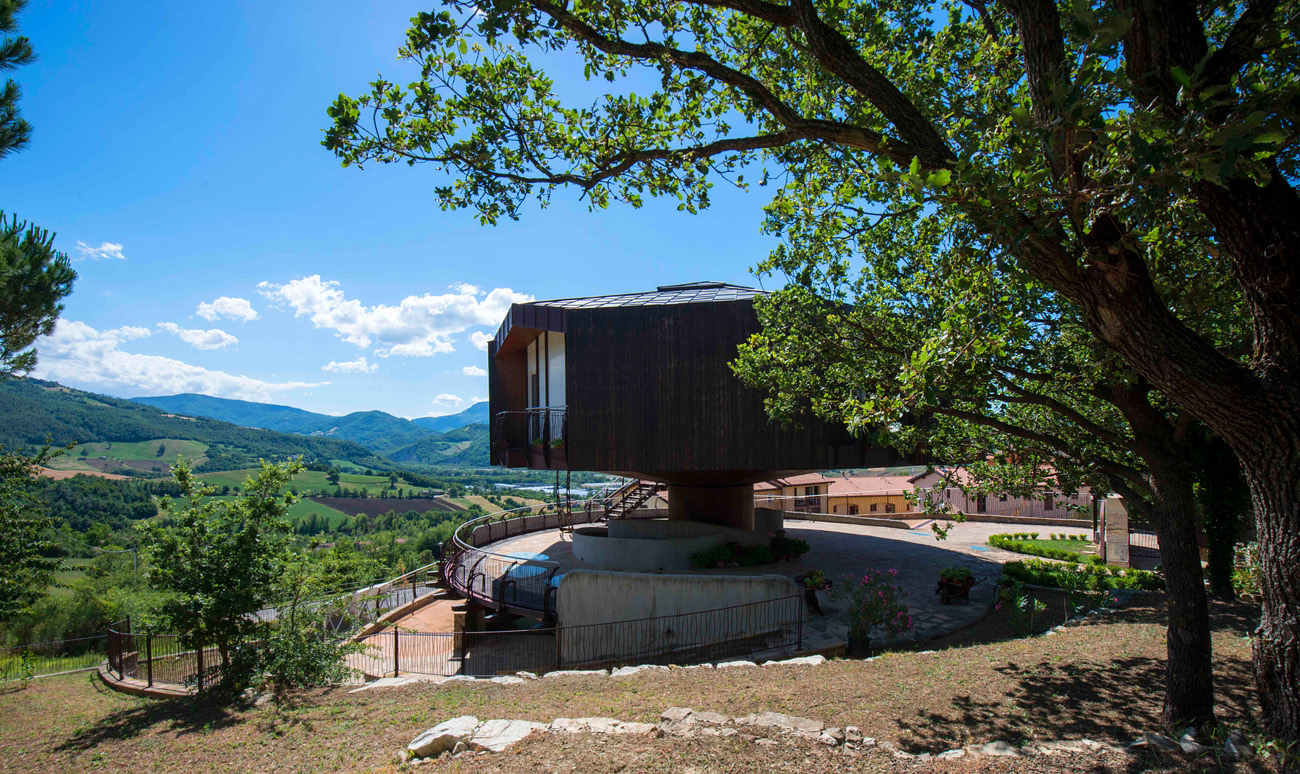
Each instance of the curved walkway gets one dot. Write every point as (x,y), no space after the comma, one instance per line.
(846,549)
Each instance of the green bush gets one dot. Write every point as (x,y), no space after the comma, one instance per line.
(1084,577)
(753,556)
(1019,545)
(1245,570)
(711,556)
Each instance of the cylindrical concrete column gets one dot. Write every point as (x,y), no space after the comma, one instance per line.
(732,506)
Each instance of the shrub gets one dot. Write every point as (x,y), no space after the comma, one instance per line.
(1245,570)
(782,546)
(872,600)
(955,574)
(751,556)
(1021,545)
(1082,577)
(710,557)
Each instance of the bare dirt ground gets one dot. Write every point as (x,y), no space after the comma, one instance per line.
(1101,680)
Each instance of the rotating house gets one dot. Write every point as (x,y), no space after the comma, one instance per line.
(639,385)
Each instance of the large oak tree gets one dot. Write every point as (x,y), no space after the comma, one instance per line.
(1079,137)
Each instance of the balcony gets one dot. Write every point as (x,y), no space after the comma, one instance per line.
(533,438)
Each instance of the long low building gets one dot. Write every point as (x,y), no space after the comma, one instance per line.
(898,495)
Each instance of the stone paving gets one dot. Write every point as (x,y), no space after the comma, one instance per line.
(844,549)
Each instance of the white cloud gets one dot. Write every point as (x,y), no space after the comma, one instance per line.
(105,250)
(358,366)
(473,371)
(77,353)
(466,289)
(225,306)
(480,340)
(214,338)
(419,326)
(448,401)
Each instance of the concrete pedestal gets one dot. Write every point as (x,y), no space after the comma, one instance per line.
(731,506)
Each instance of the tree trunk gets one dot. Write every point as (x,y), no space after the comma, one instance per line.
(1221,528)
(1189,673)
(1275,485)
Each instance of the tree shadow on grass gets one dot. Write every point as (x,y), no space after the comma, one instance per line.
(181,716)
(1114,701)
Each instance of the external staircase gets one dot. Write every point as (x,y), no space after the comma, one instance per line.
(630,497)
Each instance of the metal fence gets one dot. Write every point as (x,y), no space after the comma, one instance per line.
(43,659)
(685,638)
(1142,541)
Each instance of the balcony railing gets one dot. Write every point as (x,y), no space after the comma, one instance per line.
(532,438)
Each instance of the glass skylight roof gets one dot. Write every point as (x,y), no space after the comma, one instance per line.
(690,293)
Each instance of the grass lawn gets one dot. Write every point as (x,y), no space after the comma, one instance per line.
(1101,680)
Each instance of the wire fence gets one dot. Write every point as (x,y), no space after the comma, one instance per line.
(43,659)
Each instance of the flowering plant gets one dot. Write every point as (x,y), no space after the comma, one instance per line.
(873,599)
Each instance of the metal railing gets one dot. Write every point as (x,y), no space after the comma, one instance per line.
(512,581)
(57,657)
(517,436)
(684,638)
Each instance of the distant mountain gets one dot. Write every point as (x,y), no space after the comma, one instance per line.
(478,413)
(32,410)
(373,429)
(427,441)
(466,445)
(267,416)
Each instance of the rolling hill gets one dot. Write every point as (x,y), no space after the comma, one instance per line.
(463,446)
(376,430)
(130,435)
(476,414)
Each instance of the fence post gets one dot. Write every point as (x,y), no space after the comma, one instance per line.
(798,604)
(198,652)
(148,656)
(559,652)
(396,657)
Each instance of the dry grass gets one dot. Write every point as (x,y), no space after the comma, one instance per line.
(1101,680)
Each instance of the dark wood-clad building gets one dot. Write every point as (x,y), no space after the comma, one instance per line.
(639,385)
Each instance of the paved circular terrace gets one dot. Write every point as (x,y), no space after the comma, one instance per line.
(848,549)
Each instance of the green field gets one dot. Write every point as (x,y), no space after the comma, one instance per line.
(300,510)
(308,479)
(173,450)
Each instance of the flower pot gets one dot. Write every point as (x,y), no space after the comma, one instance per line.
(810,599)
(951,590)
(858,647)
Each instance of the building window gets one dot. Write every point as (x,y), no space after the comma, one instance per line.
(809,491)
(873,507)
(1048,502)
(853,510)
(837,509)
(889,507)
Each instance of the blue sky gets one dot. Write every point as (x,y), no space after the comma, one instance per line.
(176,155)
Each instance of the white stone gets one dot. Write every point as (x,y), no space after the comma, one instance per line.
(574,672)
(676,714)
(461,679)
(801,661)
(443,737)
(1158,740)
(635,728)
(765,741)
(727,664)
(383,682)
(459,749)
(713,718)
(998,748)
(567,725)
(632,670)
(507,680)
(1237,748)
(782,722)
(527,675)
(693,666)
(951,754)
(852,734)
(497,735)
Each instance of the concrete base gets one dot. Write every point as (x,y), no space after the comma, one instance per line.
(730,506)
(654,545)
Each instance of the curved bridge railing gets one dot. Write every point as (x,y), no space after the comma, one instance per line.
(516,582)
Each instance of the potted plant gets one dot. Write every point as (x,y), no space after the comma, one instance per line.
(813,581)
(954,583)
(872,600)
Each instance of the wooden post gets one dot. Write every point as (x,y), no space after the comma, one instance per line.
(148,657)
